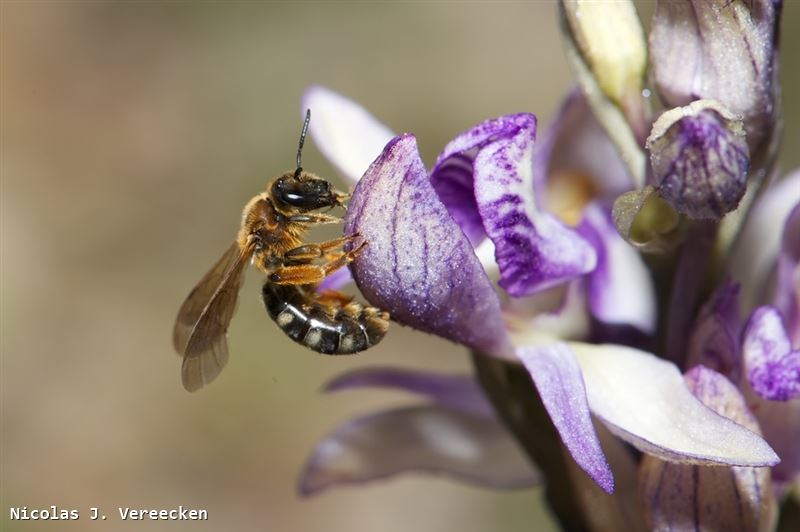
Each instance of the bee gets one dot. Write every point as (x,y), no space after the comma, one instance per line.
(274,226)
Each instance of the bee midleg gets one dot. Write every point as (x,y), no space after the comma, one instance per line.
(313,273)
(308,252)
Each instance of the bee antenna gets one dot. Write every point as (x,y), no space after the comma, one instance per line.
(300,145)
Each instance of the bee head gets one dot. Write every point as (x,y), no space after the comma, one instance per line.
(305,192)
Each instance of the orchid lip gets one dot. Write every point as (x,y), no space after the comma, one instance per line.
(485,178)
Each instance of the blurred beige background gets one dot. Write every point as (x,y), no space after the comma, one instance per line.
(132,135)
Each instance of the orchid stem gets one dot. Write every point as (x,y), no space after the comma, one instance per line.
(517,403)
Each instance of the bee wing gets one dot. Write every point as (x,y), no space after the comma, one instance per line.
(199,333)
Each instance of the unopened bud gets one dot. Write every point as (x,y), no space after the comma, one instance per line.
(700,159)
(610,39)
(723,50)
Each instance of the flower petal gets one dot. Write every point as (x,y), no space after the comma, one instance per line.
(753,258)
(643,400)
(558,379)
(460,392)
(557,314)
(346,133)
(575,144)
(714,341)
(772,367)
(336,280)
(430,439)
(418,264)
(452,179)
(533,249)
(786,294)
(453,174)
(691,497)
(621,290)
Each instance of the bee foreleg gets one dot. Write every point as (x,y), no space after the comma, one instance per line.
(315,218)
(343,259)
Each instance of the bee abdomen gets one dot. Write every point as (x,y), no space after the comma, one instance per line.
(325,328)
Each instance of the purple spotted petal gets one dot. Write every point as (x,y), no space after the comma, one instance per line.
(787,286)
(644,400)
(772,366)
(453,174)
(714,341)
(621,291)
(418,264)
(557,377)
(690,497)
(753,258)
(533,249)
(460,392)
(346,133)
(430,439)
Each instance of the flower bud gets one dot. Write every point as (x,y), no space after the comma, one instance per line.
(700,159)
(720,49)
(611,41)
(606,48)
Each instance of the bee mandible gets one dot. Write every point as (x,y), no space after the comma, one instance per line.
(274,226)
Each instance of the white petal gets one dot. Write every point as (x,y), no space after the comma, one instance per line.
(621,290)
(754,257)
(346,133)
(644,400)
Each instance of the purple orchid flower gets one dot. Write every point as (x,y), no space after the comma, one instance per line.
(521,251)
(423,269)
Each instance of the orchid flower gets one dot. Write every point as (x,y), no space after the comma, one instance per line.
(530,255)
